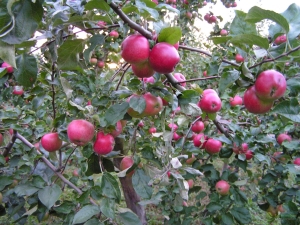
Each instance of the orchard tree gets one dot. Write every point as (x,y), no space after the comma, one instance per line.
(122,112)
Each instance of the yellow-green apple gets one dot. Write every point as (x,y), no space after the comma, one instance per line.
(213,146)
(18,90)
(180,77)
(239,58)
(135,49)
(104,143)
(8,67)
(125,163)
(236,100)
(118,130)
(80,132)
(270,85)
(198,127)
(283,137)
(200,140)
(223,32)
(280,39)
(297,161)
(255,105)
(51,142)
(272,211)
(142,70)
(222,187)
(164,57)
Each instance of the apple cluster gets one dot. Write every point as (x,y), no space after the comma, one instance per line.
(162,58)
(229,4)
(269,86)
(210,18)
(243,149)
(210,145)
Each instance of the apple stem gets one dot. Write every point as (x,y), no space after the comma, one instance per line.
(100,163)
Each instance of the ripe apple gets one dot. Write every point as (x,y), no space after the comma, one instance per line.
(135,49)
(207,16)
(283,137)
(189,15)
(142,70)
(152,130)
(180,77)
(75,173)
(212,19)
(236,100)
(249,154)
(18,90)
(239,58)
(255,105)
(222,187)
(198,127)
(89,102)
(8,67)
(51,142)
(93,61)
(80,132)
(164,57)
(244,147)
(101,23)
(176,136)
(125,163)
(205,73)
(280,39)
(213,146)
(114,34)
(297,161)
(141,124)
(101,64)
(1,139)
(223,32)
(176,45)
(200,140)
(210,103)
(191,183)
(173,126)
(234,4)
(270,85)
(104,143)
(118,129)
(150,80)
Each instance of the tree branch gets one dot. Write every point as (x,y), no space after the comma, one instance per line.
(10,144)
(221,129)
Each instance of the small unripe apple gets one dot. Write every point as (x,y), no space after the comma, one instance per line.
(223,32)
(8,67)
(190,161)
(297,161)
(100,64)
(104,143)
(80,132)
(114,34)
(283,137)
(51,142)
(93,61)
(239,58)
(222,187)
(125,163)
(272,211)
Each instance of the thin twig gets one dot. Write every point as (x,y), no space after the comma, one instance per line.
(10,144)
(187,133)
(121,78)
(115,74)
(53,89)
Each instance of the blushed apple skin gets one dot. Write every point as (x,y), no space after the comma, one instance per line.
(125,163)
(222,187)
(253,104)
(104,143)
(283,137)
(51,142)
(80,132)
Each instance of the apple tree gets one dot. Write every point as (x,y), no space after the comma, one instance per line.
(123,112)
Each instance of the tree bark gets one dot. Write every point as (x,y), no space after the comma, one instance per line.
(131,197)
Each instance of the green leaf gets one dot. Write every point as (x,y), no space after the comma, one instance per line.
(49,195)
(127,217)
(188,96)
(220,40)
(145,10)
(289,109)
(168,7)
(7,53)
(97,4)
(213,206)
(193,171)
(110,187)
(227,79)
(241,214)
(25,189)
(85,213)
(68,54)
(140,183)
(240,26)
(257,14)
(116,112)
(93,165)
(93,221)
(27,15)
(137,103)
(170,35)
(191,109)
(293,85)
(37,101)
(94,42)
(4,181)
(107,207)
(27,70)
(66,86)
(66,207)
(250,40)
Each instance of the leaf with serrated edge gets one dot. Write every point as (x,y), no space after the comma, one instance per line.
(49,195)
(85,213)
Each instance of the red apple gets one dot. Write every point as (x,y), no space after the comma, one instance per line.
(176,136)
(93,61)
(179,77)
(297,161)
(18,90)
(244,147)
(164,57)
(210,103)
(278,156)
(125,163)
(173,126)
(141,124)
(8,67)
(189,15)
(150,80)
(51,142)
(101,24)
(152,130)
(118,129)
(255,105)
(222,187)
(200,140)
(80,132)
(213,146)
(223,32)
(239,58)
(1,139)
(283,137)
(280,39)
(142,70)
(234,4)
(270,85)
(114,34)
(176,45)
(205,73)
(249,154)
(101,64)
(212,19)
(104,143)
(135,49)
(236,100)
(207,16)
(75,173)
(198,127)
(191,183)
